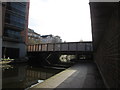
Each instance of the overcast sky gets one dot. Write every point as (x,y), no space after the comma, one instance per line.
(69,19)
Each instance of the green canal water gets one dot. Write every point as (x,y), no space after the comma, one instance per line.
(25,76)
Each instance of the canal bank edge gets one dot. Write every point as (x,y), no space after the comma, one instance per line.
(55,80)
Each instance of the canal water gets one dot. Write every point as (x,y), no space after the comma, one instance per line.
(24,76)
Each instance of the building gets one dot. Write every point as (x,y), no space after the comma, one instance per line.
(47,39)
(50,39)
(57,39)
(14,29)
(105,21)
(33,37)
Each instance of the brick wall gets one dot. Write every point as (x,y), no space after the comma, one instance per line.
(107,54)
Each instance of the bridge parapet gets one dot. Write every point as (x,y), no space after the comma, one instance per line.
(67,46)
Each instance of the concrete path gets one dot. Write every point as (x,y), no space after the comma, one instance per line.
(81,75)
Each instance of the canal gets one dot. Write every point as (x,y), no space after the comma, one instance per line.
(25,75)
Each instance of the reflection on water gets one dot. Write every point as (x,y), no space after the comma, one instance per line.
(5,66)
(23,76)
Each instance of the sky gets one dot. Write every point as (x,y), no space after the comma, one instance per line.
(69,19)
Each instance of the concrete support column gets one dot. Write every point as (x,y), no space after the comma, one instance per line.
(23,51)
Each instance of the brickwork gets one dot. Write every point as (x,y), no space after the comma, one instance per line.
(107,55)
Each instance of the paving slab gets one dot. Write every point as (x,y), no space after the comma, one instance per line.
(81,75)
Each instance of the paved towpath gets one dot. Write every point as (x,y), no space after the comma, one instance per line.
(81,75)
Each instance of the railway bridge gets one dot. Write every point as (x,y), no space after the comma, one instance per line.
(57,52)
